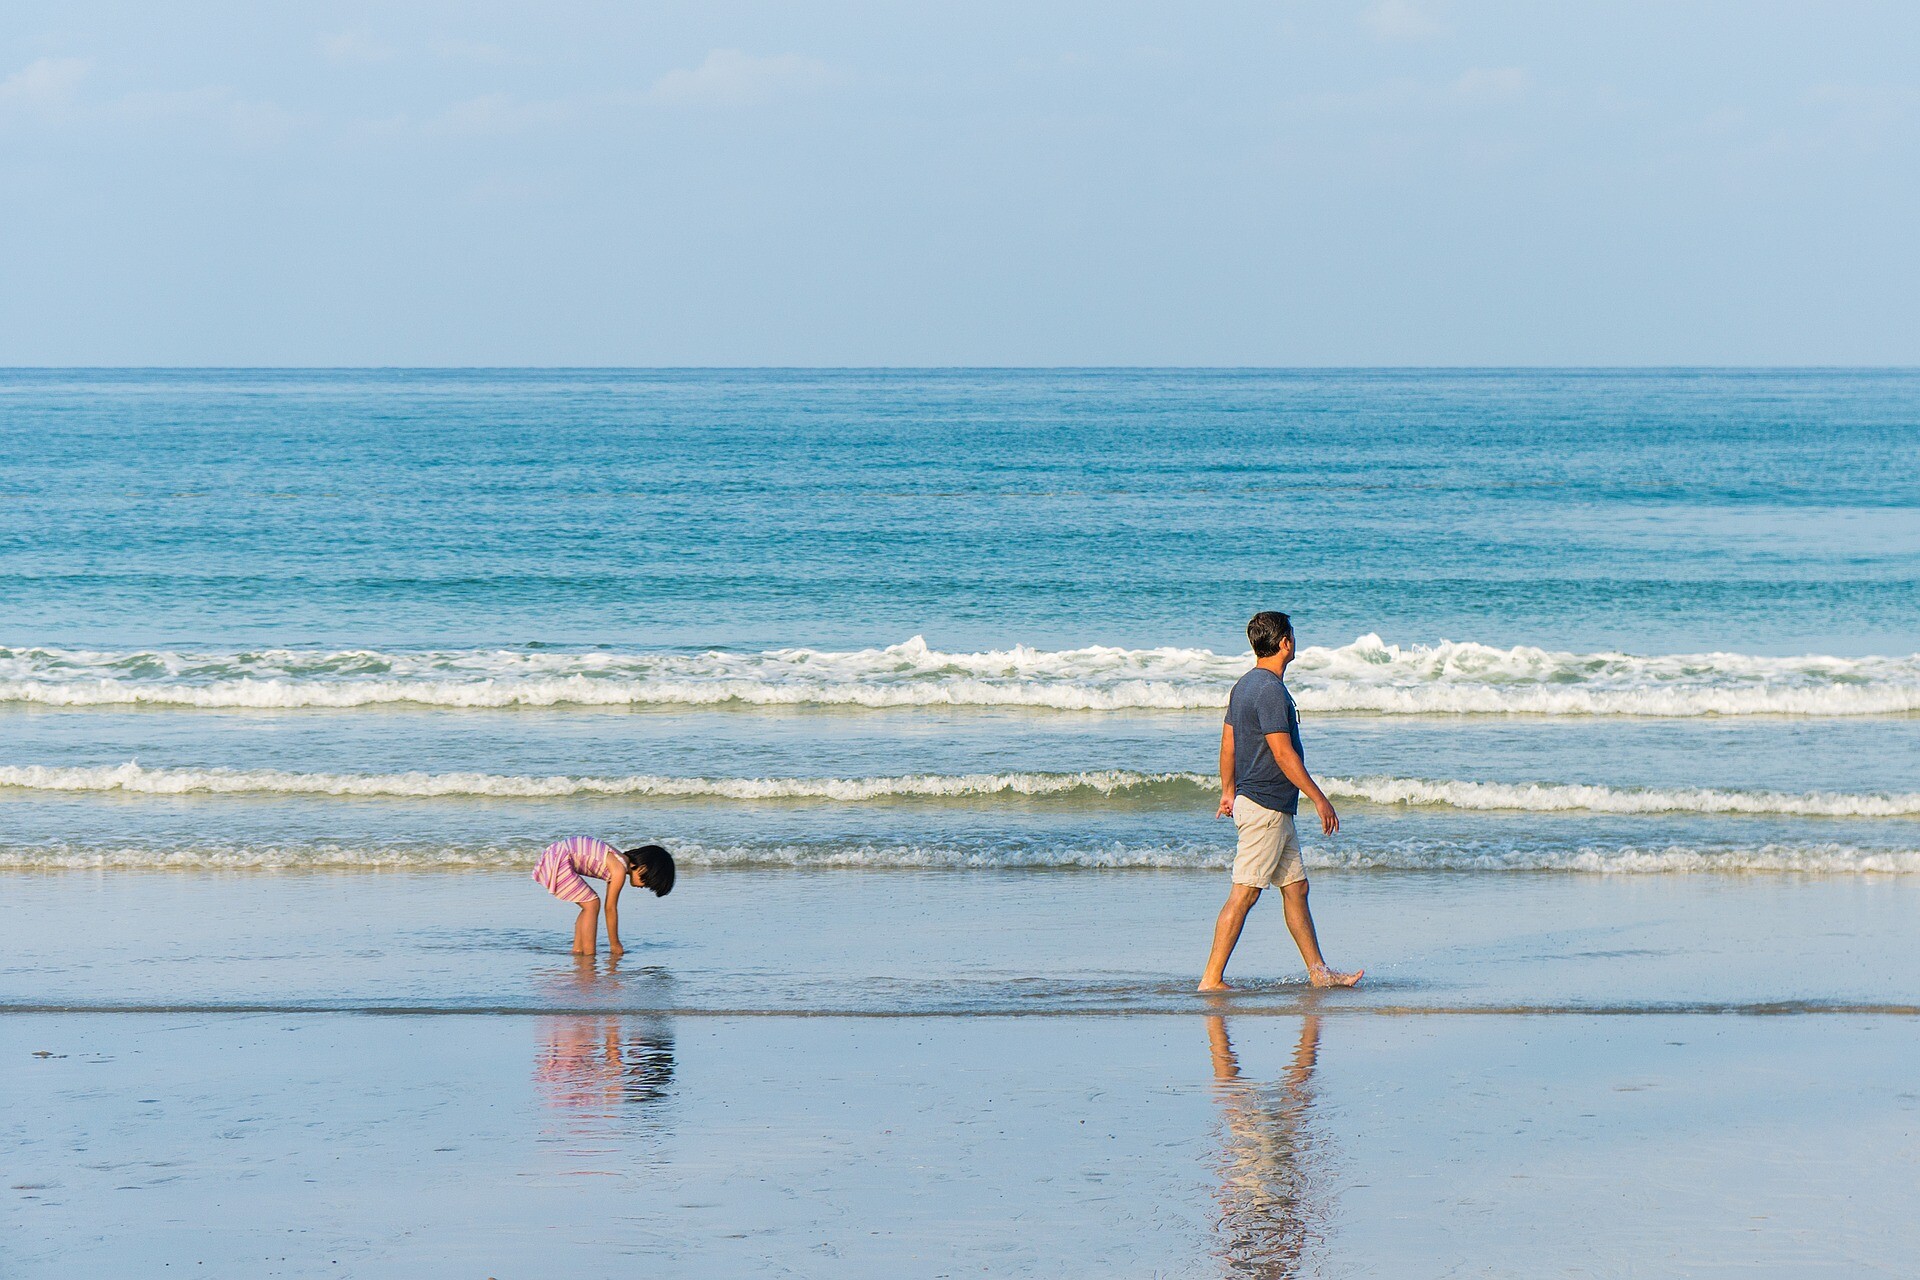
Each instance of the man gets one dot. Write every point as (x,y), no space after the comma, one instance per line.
(1262,773)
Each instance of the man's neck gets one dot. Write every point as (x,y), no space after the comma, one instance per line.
(1275,664)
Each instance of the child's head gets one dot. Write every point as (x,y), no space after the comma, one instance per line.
(650,867)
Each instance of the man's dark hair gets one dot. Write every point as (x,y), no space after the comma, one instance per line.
(657,863)
(1267,632)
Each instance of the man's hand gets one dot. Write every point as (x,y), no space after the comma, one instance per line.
(1226,806)
(1329,820)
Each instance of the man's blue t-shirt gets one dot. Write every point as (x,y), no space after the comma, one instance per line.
(1260,705)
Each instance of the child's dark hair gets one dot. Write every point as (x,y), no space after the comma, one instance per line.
(657,863)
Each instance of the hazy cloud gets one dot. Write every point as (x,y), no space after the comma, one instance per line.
(1491,84)
(1400,20)
(43,85)
(211,109)
(730,78)
(355,46)
(1861,117)
(1405,97)
(468,51)
(1880,100)
(500,113)
(49,89)
(1388,98)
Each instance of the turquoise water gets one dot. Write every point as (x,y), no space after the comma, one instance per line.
(1589,621)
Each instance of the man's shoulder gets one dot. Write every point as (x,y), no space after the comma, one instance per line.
(1259,687)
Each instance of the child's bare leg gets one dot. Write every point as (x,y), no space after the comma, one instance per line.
(586,929)
(1293,898)
(1226,933)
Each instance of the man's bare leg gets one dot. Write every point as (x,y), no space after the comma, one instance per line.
(1226,933)
(1293,899)
(1226,1066)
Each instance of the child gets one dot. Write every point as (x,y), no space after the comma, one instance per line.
(563,864)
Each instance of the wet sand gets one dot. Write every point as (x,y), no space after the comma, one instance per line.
(941,1074)
(536,1146)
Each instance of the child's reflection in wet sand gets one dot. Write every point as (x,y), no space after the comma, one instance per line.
(1269,1213)
(598,1064)
(608,1071)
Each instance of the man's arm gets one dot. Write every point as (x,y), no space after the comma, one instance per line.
(1296,770)
(1226,773)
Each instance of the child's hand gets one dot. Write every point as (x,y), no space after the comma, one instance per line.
(616,951)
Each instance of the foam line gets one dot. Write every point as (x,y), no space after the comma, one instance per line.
(1098,786)
(1422,855)
(1343,1003)
(1366,676)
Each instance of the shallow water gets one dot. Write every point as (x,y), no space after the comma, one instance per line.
(896,943)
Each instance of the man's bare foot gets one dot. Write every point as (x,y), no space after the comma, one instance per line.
(1321,976)
(1210,988)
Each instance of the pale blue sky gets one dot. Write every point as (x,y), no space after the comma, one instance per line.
(1406,182)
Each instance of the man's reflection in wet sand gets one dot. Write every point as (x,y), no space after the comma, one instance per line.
(1269,1215)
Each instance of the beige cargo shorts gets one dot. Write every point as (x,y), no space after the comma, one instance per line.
(1269,852)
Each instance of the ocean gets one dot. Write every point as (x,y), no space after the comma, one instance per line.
(1614,677)
(1585,622)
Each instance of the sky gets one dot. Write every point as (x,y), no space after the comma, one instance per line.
(1382,182)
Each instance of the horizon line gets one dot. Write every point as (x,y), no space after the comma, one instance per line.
(960,368)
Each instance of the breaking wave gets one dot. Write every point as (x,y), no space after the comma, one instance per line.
(1397,856)
(1367,676)
(1101,786)
(138,779)
(1553,797)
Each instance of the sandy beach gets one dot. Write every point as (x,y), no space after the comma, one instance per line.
(959,1073)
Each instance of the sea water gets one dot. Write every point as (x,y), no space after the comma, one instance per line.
(1607,623)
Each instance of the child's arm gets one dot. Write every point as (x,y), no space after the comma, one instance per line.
(615,883)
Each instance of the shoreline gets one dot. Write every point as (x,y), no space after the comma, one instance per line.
(952,942)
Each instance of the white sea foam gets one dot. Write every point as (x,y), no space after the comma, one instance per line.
(1549,797)
(1809,859)
(1368,675)
(1089,786)
(139,779)
(262,857)
(1401,856)
(1398,856)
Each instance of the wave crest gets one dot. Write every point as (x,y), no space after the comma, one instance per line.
(1368,676)
(1094,785)
(1398,856)
(135,778)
